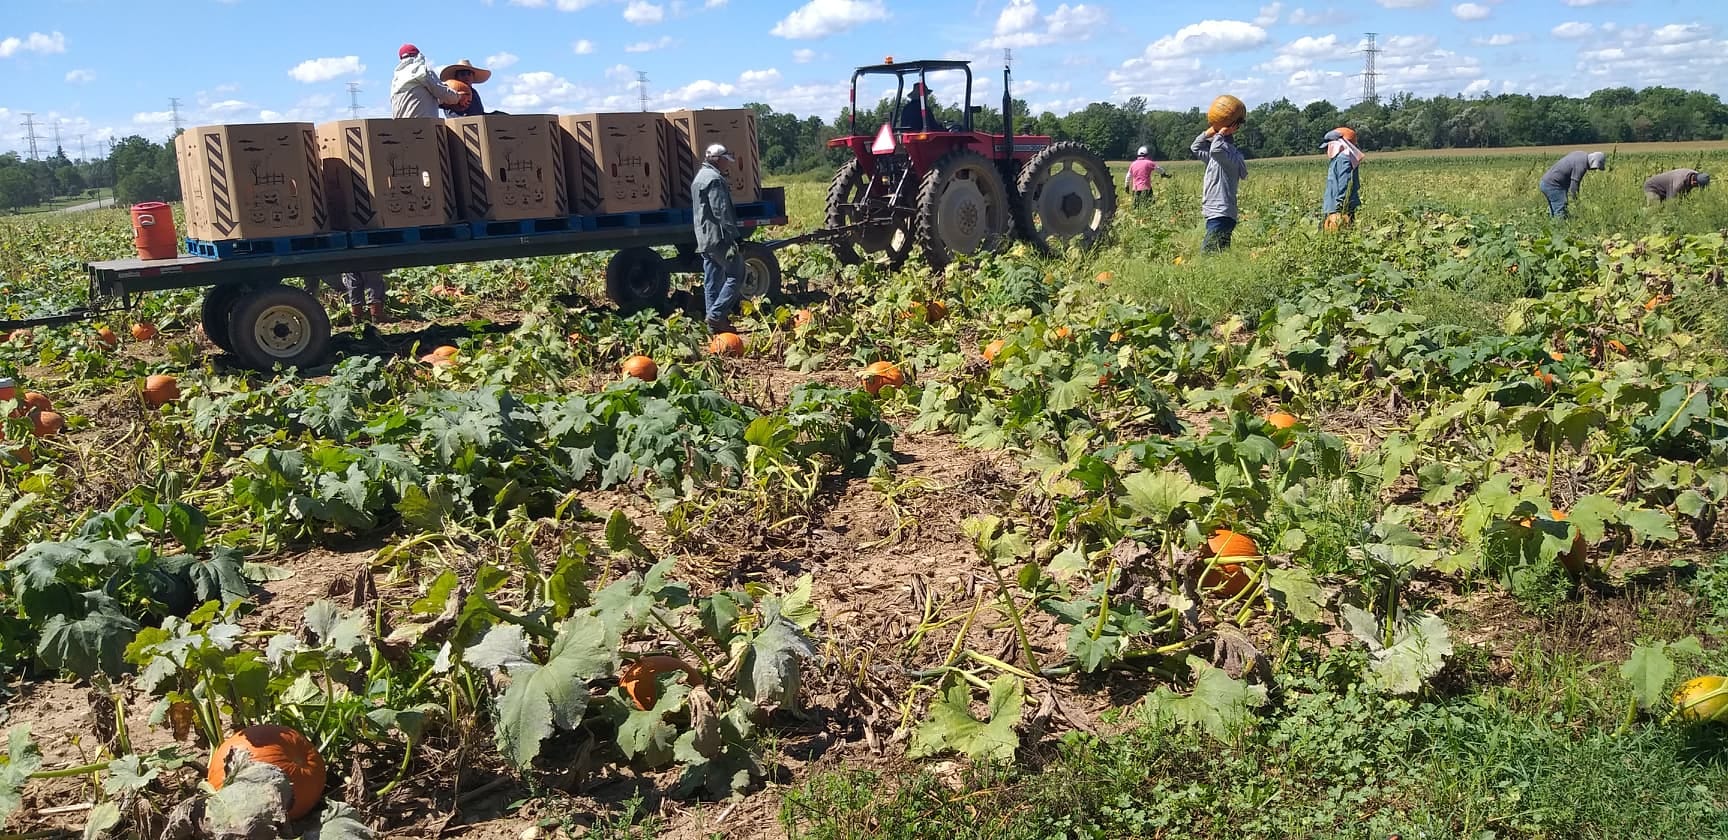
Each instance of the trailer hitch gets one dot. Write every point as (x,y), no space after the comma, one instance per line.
(70,316)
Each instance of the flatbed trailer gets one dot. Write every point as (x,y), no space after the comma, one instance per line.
(249,311)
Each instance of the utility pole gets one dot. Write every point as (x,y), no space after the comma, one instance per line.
(642,87)
(30,132)
(82,158)
(174,108)
(58,149)
(354,100)
(1369,74)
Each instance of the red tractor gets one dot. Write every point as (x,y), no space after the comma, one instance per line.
(952,190)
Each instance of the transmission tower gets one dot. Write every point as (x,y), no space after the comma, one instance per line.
(642,87)
(58,149)
(82,158)
(1369,74)
(174,109)
(30,132)
(354,99)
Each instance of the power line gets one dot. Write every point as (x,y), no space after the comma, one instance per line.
(642,87)
(354,100)
(174,110)
(58,148)
(1369,94)
(82,157)
(30,132)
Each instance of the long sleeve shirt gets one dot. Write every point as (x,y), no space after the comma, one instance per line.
(415,90)
(1343,186)
(1674,182)
(1225,169)
(1567,173)
(711,202)
(474,109)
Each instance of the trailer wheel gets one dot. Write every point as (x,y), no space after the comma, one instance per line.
(761,278)
(637,279)
(216,312)
(279,325)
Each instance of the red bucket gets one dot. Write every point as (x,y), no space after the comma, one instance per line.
(153,231)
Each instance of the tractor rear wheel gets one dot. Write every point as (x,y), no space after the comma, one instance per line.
(1066,197)
(848,204)
(962,208)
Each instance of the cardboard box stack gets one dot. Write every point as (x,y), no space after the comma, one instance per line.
(508,167)
(615,162)
(253,181)
(381,174)
(691,132)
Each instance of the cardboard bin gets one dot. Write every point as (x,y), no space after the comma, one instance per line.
(615,163)
(691,132)
(381,174)
(252,181)
(507,167)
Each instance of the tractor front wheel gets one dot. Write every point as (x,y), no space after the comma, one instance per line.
(1066,197)
(962,208)
(850,203)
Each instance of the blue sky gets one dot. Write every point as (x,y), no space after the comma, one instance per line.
(105,68)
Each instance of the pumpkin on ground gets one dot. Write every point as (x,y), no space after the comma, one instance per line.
(1226,111)
(879,374)
(161,389)
(726,344)
(638,679)
(282,748)
(641,367)
(1227,543)
(1577,556)
(1281,420)
(935,311)
(107,337)
(803,317)
(1227,580)
(144,331)
(47,423)
(441,355)
(1703,699)
(994,349)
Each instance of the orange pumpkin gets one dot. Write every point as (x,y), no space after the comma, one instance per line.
(879,374)
(1116,337)
(1281,419)
(803,318)
(935,311)
(1106,276)
(1557,356)
(20,335)
(1226,580)
(1062,333)
(144,331)
(1226,543)
(107,337)
(641,367)
(1544,377)
(440,356)
(1578,555)
(638,679)
(1651,304)
(161,389)
(7,390)
(1617,346)
(33,401)
(726,344)
(48,423)
(1226,111)
(282,748)
(994,349)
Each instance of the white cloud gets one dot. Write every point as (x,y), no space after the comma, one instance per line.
(1268,14)
(1497,40)
(1170,72)
(758,78)
(583,47)
(325,69)
(1470,11)
(1683,55)
(1326,17)
(1572,29)
(270,116)
(714,4)
(1020,25)
(227,106)
(1305,52)
(545,92)
(1208,36)
(620,72)
(153,118)
(1476,87)
(660,43)
(1402,4)
(803,56)
(35,42)
(1076,23)
(1578,4)
(821,18)
(80,76)
(501,61)
(644,13)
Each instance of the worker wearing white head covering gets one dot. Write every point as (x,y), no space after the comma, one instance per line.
(717,236)
(1139,177)
(1343,178)
(1561,182)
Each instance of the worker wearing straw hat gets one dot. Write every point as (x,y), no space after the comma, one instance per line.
(462,77)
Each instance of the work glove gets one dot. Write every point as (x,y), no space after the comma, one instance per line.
(1163,174)
(732,252)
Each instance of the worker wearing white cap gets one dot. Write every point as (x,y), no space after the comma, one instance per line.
(717,236)
(1561,182)
(1139,178)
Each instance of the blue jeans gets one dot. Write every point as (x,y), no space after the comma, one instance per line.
(1556,201)
(364,287)
(1218,231)
(722,282)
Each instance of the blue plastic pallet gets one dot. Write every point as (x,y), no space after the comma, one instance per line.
(269,246)
(525,227)
(757,210)
(410,235)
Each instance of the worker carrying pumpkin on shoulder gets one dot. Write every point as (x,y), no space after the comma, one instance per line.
(1343,178)
(415,90)
(1561,182)
(1674,183)
(1139,177)
(462,77)
(1225,169)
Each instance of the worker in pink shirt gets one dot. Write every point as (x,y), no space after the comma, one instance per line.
(1139,180)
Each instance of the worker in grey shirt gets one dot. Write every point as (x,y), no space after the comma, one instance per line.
(717,236)
(1225,169)
(414,89)
(1674,183)
(1561,182)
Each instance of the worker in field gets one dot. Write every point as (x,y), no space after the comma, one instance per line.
(462,77)
(1225,169)
(912,113)
(1674,183)
(1139,177)
(1343,178)
(415,90)
(717,237)
(1561,182)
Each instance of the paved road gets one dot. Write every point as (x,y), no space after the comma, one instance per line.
(88,205)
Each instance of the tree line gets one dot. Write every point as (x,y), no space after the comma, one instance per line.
(136,168)
(1279,128)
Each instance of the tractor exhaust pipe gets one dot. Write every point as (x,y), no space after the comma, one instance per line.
(1007,104)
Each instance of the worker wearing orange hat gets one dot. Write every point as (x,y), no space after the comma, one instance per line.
(1343,178)
(415,91)
(462,77)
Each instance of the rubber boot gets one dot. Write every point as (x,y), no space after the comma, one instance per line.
(377,309)
(355,313)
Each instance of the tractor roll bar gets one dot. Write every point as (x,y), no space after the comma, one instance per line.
(900,72)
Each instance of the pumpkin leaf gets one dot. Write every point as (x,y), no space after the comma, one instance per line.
(1219,705)
(22,759)
(542,698)
(253,800)
(1296,591)
(771,668)
(84,645)
(1154,496)
(645,736)
(343,631)
(102,820)
(952,727)
(127,774)
(339,822)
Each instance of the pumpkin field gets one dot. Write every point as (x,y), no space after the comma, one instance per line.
(1409,530)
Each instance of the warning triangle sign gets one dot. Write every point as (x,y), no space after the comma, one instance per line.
(884,141)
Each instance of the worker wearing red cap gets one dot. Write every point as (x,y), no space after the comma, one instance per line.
(415,90)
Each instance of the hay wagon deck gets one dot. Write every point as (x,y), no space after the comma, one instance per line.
(249,310)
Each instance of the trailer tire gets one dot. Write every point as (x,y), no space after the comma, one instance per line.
(637,279)
(279,325)
(217,311)
(761,280)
